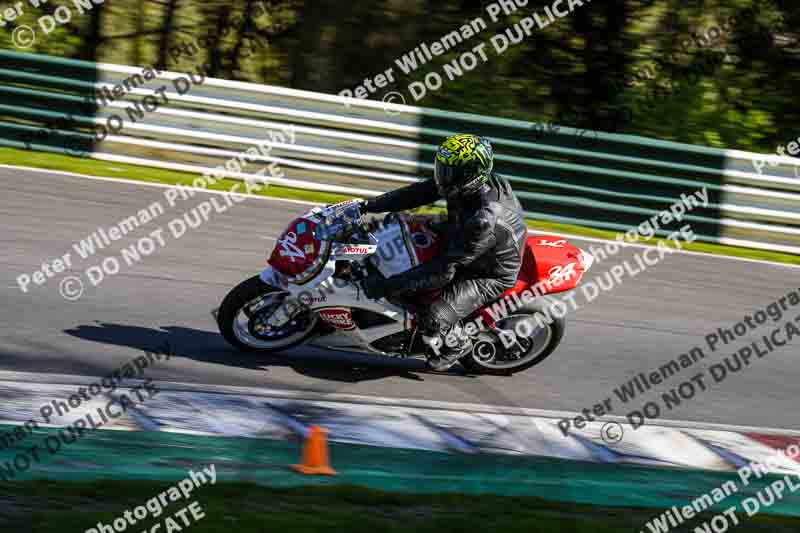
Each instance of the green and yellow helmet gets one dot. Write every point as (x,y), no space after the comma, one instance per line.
(463,164)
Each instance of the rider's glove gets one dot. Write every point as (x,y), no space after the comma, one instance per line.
(365,206)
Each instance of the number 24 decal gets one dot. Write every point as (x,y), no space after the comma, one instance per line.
(288,247)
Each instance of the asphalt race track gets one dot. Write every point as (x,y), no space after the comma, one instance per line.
(170,294)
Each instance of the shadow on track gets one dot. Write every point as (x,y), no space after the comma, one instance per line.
(210,347)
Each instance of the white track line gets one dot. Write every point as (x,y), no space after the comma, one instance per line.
(305,202)
(69,379)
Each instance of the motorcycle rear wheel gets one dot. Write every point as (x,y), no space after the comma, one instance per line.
(489,354)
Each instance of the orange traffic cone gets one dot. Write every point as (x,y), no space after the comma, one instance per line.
(315,454)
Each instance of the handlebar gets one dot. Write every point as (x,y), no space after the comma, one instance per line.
(340,223)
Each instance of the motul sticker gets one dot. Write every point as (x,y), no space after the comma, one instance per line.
(338,317)
(355,250)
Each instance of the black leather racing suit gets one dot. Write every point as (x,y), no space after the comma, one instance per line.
(484,238)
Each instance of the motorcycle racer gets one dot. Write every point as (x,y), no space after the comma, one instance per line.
(485,233)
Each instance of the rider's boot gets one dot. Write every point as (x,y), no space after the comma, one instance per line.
(447,348)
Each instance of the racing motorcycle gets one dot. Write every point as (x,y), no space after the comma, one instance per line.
(311,293)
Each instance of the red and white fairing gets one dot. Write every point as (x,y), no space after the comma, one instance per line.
(552,263)
(298,254)
(301,263)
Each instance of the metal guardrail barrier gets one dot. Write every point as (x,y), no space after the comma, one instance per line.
(363,147)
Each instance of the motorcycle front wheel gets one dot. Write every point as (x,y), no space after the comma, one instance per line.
(242,319)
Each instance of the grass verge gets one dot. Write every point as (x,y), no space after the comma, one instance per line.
(93,167)
(57,506)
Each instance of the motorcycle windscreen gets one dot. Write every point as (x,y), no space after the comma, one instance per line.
(404,244)
(298,254)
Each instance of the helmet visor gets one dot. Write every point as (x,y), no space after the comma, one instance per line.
(449,178)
